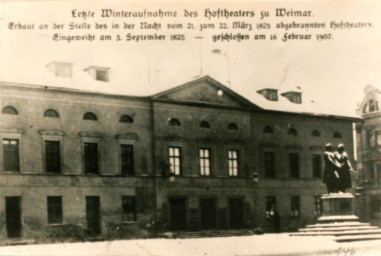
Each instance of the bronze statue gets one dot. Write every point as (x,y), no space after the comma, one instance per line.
(331,166)
(345,170)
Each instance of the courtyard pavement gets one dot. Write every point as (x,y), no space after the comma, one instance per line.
(268,244)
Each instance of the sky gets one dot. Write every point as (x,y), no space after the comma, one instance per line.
(331,74)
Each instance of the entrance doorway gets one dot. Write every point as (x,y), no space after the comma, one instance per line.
(208,213)
(235,213)
(13,216)
(177,213)
(93,215)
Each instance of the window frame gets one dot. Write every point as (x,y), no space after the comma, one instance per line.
(51,110)
(180,157)
(92,139)
(318,203)
(203,160)
(11,134)
(18,154)
(134,212)
(52,136)
(273,153)
(314,157)
(290,165)
(92,114)
(127,143)
(295,207)
(232,160)
(270,211)
(12,109)
(61,222)
(173,121)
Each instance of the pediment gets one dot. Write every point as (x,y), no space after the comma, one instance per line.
(204,90)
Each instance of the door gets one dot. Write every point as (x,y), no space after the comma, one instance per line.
(208,213)
(235,213)
(177,213)
(13,216)
(93,215)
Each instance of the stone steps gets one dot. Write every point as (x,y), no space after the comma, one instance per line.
(340,233)
(207,233)
(328,229)
(355,238)
(339,224)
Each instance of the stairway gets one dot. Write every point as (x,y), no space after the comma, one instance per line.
(342,231)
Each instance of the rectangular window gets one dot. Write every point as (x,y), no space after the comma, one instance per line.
(318,206)
(127,159)
(52,156)
(91,157)
(295,206)
(270,206)
(233,158)
(294,165)
(205,168)
(378,137)
(54,209)
(175,160)
(269,164)
(316,166)
(11,155)
(129,208)
(101,75)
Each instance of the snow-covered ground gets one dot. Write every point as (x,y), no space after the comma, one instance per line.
(268,244)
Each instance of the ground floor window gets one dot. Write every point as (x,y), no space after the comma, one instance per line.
(318,206)
(375,202)
(129,208)
(54,209)
(270,206)
(295,206)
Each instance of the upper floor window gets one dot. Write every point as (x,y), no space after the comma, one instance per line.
(204,124)
(233,162)
(52,156)
(174,154)
(316,166)
(315,133)
(99,73)
(232,126)
(126,119)
(268,129)
(205,168)
(295,206)
(294,165)
(51,113)
(60,69)
(9,110)
(127,159)
(91,157)
(90,116)
(292,131)
(269,163)
(11,155)
(337,135)
(174,122)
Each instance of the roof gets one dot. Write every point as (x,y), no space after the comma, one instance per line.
(122,86)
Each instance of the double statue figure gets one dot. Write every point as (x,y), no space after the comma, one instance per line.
(337,169)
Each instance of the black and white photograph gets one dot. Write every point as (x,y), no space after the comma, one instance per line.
(190,128)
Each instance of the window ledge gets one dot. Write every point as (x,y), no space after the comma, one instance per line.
(56,225)
(129,222)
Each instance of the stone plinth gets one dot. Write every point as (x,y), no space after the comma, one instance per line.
(337,207)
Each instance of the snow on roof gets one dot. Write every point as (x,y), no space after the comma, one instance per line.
(118,84)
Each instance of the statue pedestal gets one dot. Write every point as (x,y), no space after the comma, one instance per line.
(337,207)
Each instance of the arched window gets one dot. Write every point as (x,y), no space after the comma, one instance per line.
(232,126)
(268,129)
(337,135)
(204,124)
(174,122)
(292,131)
(90,116)
(315,133)
(51,113)
(9,110)
(126,119)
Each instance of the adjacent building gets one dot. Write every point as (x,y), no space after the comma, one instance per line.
(369,156)
(198,156)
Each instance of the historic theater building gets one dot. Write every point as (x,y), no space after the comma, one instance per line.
(369,155)
(196,157)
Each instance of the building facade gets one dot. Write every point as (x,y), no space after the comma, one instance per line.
(369,156)
(196,157)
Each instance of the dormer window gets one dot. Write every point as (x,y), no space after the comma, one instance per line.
(295,97)
(99,73)
(270,94)
(60,69)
